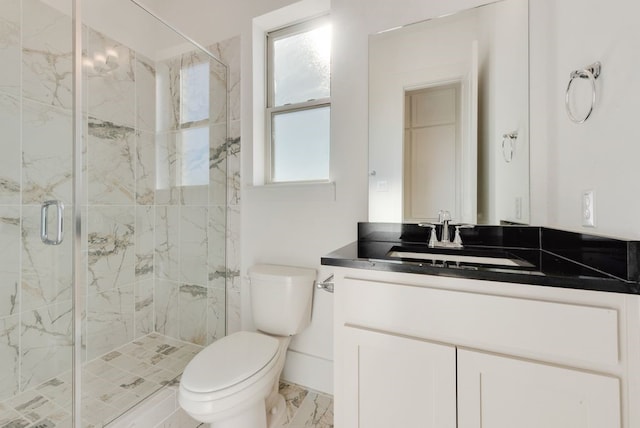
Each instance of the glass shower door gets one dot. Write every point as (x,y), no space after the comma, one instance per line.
(150,184)
(36,300)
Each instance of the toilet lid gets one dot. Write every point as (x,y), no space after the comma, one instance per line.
(229,361)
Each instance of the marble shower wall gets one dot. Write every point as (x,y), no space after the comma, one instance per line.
(193,263)
(120,170)
(157,196)
(157,244)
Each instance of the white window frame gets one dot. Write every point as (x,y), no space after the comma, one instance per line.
(271,110)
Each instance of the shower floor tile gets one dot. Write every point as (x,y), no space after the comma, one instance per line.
(118,380)
(111,384)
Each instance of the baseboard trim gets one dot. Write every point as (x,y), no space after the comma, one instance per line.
(309,371)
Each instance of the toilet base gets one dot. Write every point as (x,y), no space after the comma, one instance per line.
(276,416)
(254,416)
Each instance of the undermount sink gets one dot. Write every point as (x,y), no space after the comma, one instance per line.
(457,258)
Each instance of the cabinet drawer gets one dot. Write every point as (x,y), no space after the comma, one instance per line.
(538,329)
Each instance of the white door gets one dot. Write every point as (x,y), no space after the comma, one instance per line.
(432,149)
(500,392)
(393,381)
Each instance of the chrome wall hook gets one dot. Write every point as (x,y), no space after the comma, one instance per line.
(591,72)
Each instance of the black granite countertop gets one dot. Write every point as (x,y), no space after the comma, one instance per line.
(544,256)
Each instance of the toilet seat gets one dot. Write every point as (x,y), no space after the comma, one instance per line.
(233,363)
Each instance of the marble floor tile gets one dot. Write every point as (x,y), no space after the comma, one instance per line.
(111,384)
(57,390)
(117,381)
(58,419)
(33,406)
(293,395)
(17,423)
(307,409)
(7,414)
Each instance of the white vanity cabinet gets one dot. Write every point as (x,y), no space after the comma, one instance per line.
(427,351)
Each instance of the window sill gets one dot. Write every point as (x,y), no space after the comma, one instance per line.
(317,191)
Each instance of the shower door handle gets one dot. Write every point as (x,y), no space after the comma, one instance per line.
(44,223)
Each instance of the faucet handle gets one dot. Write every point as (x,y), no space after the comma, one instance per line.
(457,239)
(432,236)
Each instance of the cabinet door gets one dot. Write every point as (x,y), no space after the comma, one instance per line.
(500,392)
(393,381)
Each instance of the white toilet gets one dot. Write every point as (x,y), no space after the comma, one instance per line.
(233,383)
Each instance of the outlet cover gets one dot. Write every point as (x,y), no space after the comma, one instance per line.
(588,209)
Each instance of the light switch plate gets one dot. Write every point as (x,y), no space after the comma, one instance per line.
(588,209)
(382,186)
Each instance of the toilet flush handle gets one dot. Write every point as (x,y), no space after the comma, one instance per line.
(327,284)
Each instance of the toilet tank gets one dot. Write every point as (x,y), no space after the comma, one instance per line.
(281,298)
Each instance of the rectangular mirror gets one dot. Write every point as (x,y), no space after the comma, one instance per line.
(449,118)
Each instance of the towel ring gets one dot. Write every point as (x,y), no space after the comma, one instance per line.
(509,150)
(590,72)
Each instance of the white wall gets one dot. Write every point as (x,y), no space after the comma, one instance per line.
(297,225)
(603,153)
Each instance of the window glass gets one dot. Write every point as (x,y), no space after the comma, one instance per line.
(300,146)
(299,105)
(301,66)
(194,150)
(194,88)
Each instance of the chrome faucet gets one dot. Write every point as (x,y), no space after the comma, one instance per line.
(444,219)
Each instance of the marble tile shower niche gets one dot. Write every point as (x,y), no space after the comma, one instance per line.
(157,193)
